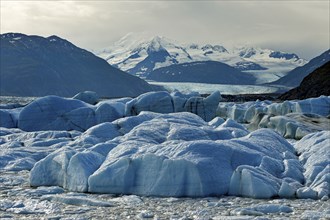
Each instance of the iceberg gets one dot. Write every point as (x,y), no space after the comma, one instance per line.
(176,155)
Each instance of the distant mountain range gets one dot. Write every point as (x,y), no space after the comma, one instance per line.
(315,84)
(295,77)
(38,66)
(140,56)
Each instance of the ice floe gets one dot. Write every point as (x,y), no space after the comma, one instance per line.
(76,199)
(260,210)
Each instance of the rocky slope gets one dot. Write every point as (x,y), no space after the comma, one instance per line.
(314,85)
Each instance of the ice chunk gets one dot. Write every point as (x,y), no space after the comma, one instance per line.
(292,125)
(51,171)
(204,107)
(315,157)
(318,106)
(78,200)
(80,167)
(306,193)
(292,119)
(262,209)
(89,97)
(127,124)
(253,182)
(163,102)
(288,188)
(160,102)
(217,121)
(7,120)
(104,131)
(106,112)
(47,113)
(210,105)
(80,119)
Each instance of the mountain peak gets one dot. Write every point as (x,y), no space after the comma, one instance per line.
(155,45)
(216,47)
(54,38)
(157,38)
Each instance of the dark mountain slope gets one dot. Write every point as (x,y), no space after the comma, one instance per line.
(294,77)
(38,66)
(201,72)
(314,85)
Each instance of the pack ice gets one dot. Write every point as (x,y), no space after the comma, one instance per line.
(136,146)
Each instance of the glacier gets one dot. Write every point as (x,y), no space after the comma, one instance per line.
(172,145)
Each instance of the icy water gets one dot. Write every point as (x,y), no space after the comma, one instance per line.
(19,201)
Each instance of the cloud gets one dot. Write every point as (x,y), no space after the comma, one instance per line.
(297,26)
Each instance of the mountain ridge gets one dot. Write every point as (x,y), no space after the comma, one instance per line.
(132,55)
(211,72)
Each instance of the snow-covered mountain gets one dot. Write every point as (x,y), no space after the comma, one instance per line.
(141,55)
(38,66)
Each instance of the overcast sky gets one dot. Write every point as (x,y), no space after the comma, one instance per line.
(293,26)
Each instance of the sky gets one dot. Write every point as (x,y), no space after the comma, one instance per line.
(299,26)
